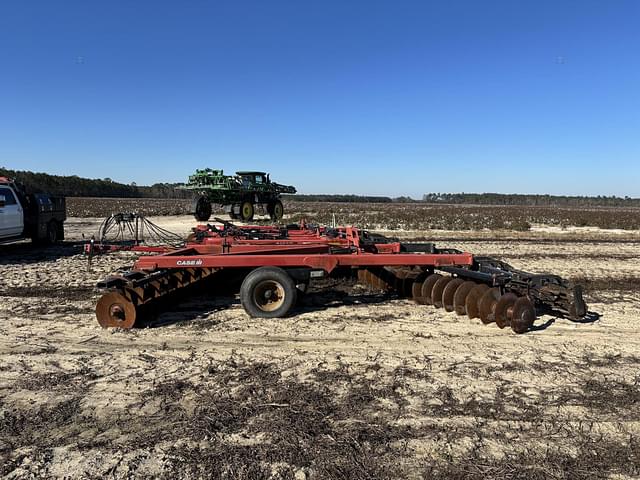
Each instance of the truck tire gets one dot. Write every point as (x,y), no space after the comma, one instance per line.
(60,231)
(51,235)
(52,232)
(268,292)
(202,208)
(276,210)
(246,211)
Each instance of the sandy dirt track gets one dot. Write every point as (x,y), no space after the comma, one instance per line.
(355,385)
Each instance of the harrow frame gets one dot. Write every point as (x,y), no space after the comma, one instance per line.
(280,262)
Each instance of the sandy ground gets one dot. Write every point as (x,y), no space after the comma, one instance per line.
(355,385)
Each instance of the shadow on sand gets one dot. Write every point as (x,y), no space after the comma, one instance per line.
(28,252)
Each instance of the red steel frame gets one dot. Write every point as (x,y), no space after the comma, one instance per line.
(308,249)
(193,257)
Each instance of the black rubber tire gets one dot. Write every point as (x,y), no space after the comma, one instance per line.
(246,211)
(52,233)
(60,227)
(257,279)
(202,208)
(276,211)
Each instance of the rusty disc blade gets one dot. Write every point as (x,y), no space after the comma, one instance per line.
(416,292)
(374,280)
(427,287)
(487,305)
(504,309)
(449,292)
(115,310)
(460,297)
(416,288)
(367,278)
(361,275)
(407,285)
(524,314)
(471,304)
(438,288)
(381,279)
(398,278)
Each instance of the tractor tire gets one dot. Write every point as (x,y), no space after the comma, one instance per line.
(275,210)
(268,292)
(246,211)
(202,208)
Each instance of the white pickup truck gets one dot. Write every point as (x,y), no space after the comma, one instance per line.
(37,216)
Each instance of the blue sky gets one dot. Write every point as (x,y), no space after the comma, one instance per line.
(390,98)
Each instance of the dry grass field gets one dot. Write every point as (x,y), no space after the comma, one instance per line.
(356,385)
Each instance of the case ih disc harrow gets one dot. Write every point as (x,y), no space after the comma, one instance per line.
(278,264)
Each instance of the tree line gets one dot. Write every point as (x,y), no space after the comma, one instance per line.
(338,198)
(530,199)
(74,186)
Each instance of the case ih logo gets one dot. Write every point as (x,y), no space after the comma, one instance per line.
(188,263)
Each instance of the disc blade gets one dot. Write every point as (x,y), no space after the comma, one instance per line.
(398,280)
(524,314)
(449,292)
(487,305)
(416,287)
(461,296)
(504,309)
(471,304)
(115,310)
(384,279)
(427,287)
(438,288)
(368,278)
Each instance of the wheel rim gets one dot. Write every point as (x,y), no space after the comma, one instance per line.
(53,235)
(247,210)
(277,210)
(268,295)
